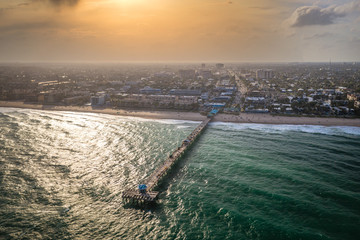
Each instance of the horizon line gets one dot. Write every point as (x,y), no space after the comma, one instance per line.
(171,62)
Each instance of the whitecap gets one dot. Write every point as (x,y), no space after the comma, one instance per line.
(177,122)
(284,128)
(182,127)
(10,110)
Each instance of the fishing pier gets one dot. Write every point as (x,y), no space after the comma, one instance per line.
(145,193)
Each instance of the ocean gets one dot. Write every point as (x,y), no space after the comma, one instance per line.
(62,175)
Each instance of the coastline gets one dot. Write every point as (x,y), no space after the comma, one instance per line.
(259,118)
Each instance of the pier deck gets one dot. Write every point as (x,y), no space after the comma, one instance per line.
(153,180)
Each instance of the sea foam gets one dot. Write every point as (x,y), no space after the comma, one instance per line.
(284,128)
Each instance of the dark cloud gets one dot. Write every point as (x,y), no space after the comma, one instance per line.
(64,2)
(314,15)
(23,4)
(58,3)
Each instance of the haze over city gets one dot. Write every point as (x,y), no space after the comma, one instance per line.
(179,30)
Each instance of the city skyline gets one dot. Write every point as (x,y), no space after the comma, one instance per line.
(179,31)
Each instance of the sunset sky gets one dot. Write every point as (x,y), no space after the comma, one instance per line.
(179,30)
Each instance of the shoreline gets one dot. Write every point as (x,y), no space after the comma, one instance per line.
(259,118)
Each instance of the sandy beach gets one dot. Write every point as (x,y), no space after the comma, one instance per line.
(241,118)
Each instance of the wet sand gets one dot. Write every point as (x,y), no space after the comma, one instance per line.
(241,118)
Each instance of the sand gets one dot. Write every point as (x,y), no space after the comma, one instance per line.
(241,118)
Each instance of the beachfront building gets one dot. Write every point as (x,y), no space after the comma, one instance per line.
(155,101)
(49,97)
(97,100)
(150,90)
(76,100)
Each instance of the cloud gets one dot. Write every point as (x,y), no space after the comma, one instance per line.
(58,3)
(355,40)
(23,4)
(64,2)
(28,26)
(4,10)
(262,8)
(319,35)
(315,15)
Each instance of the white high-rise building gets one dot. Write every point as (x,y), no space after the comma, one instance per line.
(264,73)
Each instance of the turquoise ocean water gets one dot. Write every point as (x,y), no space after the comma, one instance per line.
(62,175)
